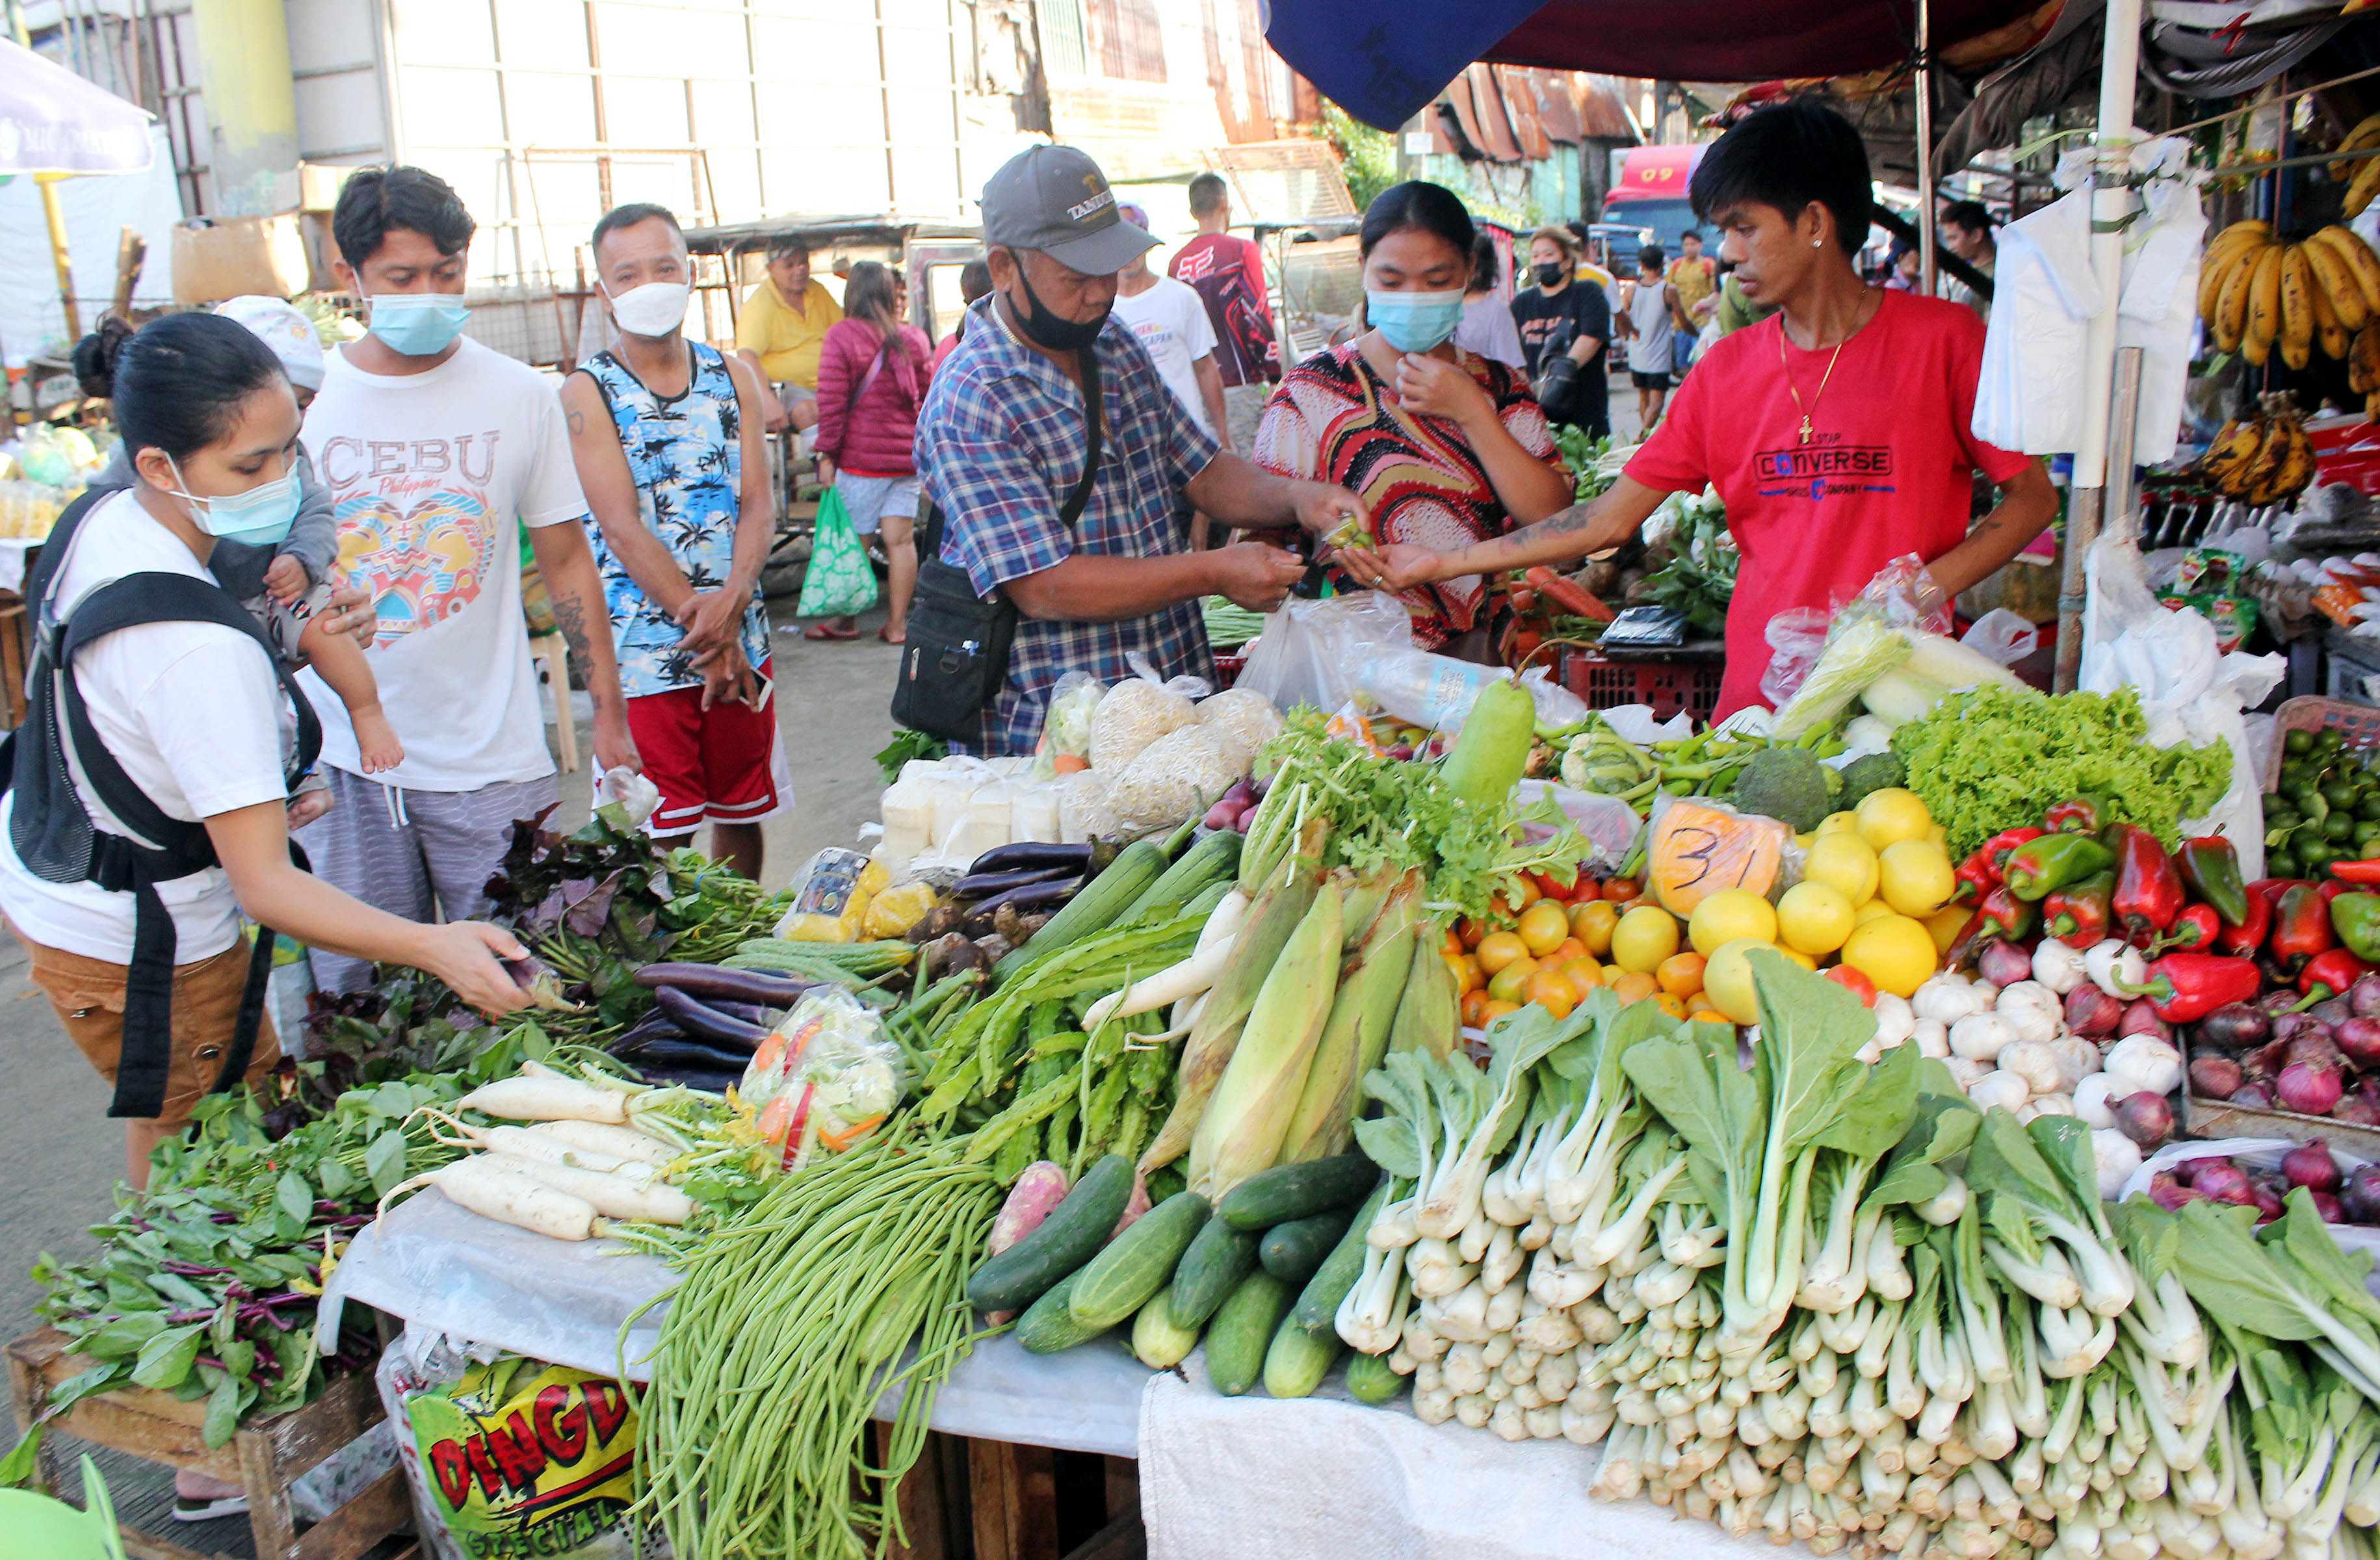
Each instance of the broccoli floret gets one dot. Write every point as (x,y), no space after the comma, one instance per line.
(1785,783)
(1874,771)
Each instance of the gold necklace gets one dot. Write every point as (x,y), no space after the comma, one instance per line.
(1790,389)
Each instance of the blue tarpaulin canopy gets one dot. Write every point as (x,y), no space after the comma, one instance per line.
(1383,64)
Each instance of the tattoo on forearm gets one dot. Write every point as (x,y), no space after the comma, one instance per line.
(570,615)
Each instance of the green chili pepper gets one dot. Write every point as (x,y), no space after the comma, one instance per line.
(2052,861)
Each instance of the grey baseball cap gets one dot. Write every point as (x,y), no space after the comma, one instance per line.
(1054,198)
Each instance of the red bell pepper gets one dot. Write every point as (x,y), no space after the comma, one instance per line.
(1975,877)
(2076,814)
(2329,974)
(2185,988)
(2209,865)
(2148,889)
(2249,936)
(2079,914)
(2301,927)
(2195,930)
(2000,846)
(2331,887)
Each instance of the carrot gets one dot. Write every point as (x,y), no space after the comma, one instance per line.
(835,1143)
(1567,594)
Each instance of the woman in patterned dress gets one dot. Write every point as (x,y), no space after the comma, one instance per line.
(1440,442)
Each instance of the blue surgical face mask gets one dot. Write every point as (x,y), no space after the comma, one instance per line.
(1413,321)
(419,324)
(261,516)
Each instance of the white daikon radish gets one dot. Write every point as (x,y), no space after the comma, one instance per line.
(553,1097)
(625,1142)
(612,1196)
(507,1196)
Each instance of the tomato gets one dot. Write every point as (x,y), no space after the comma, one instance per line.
(1583,973)
(1544,926)
(1468,932)
(1551,990)
(1623,888)
(1670,1003)
(1855,981)
(1508,982)
(1495,1010)
(1633,986)
(1474,1009)
(1591,922)
(1566,951)
(1680,975)
(1500,949)
(1468,977)
(1454,946)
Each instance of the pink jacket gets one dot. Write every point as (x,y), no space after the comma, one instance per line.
(872,437)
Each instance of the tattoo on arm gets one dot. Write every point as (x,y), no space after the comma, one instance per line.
(570,615)
(577,422)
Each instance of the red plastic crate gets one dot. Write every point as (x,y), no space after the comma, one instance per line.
(1668,683)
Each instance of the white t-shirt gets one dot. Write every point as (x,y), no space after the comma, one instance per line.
(428,473)
(192,712)
(1171,321)
(1487,329)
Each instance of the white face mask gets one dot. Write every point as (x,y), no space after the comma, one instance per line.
(653,310)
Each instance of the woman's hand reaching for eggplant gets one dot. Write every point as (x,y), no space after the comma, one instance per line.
(477,960)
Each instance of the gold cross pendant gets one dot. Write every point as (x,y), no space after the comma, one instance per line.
(1806,431)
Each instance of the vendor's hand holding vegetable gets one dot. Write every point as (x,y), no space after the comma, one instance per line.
(1255,574)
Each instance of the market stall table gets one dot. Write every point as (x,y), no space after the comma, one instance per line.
(1312,1477)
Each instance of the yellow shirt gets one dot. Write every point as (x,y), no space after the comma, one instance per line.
(1696,280)
(787,343)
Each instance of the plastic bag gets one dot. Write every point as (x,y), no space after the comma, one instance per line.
(825,1078)
(1243,715)
(831,897)
(1608,826)
(1695,847)
(1083,811)
(1861,635)
(1795,639)
(1309,651)
(1066,743)
(1133,713)
(1181,773)
(2005,637)
(840,580)
(510,1456)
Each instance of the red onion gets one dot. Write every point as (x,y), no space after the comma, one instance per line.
(2254,1094)
(2289,1026)
(2223,1181)
(2360,1039)
(2169,1193)
(2306,1089)
(2234,1027)
(2356,1111)
(2004,963)
(2309,1164)
(2360,1195)
(2183,1171)
(2092,1013)
(2332,1012)
(2144,1118)
(2315,1048)
(2268,1202)
(2364,997)
(2328,1206)
(2215,1077)
(2141,1019)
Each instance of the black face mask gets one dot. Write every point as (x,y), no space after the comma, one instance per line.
(1047,328)
(1550,272)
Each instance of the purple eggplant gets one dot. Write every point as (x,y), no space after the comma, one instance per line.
(703,1022)
(987,885)
(1027,855)
(681,1053)
(713,983)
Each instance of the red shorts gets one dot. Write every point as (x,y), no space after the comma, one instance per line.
(726,763)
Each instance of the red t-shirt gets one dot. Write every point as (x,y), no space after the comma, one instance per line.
(1888,470)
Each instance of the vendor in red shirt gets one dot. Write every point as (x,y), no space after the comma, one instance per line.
(1837,431)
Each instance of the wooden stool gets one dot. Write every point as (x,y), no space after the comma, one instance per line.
(265,1457)
(552,652)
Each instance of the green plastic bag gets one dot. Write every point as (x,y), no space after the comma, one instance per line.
(840,579)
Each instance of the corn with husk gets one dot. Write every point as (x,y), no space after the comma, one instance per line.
(1246,1122)
(1371,987)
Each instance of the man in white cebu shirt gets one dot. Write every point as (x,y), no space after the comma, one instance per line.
(433,447)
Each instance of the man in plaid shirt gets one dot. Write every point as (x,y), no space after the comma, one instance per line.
(1002,441)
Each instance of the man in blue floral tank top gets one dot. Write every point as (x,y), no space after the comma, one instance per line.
(667,437)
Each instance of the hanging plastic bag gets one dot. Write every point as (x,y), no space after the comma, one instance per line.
(1795,640)
(840,580)
(2003,637)
(1309,651)
(1065,745)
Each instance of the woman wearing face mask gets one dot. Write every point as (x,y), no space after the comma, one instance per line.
(197,722)
(1445,448)
(1565,329)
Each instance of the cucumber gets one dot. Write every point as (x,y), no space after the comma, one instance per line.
(1095,909)
(1050,1325)
(1213,859)
(1296,1191)
(1370,1380)
(1070,1236)
(1317,1304)
(1218,1259)
(1136,1264)
(1291,1251)
(1241,1335)
(1296,1361)
(1161,1339)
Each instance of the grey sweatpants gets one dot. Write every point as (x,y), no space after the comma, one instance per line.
(411,852)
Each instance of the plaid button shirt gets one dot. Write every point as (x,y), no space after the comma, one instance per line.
(1000,442)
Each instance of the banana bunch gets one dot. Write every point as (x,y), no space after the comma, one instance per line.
(2262,461)
(2258,292)
(2360,175)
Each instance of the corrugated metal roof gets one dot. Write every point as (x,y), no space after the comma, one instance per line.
(1518,88)
(1495,121)
(1602,111)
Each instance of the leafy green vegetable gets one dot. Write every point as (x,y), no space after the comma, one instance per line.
(1986,760)
(907,744)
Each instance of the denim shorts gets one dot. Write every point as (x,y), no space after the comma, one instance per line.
(867,499)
